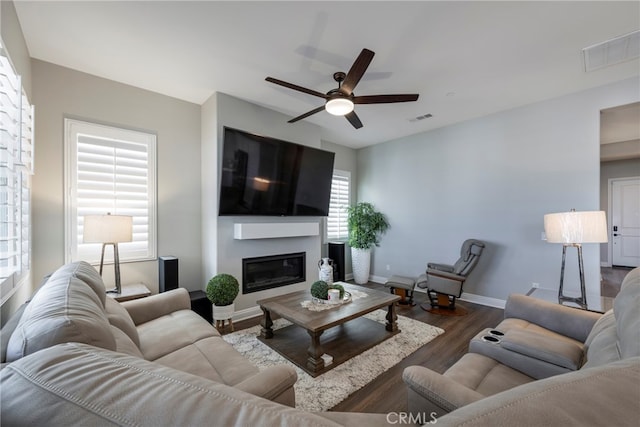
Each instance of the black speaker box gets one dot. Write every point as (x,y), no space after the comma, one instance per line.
(168,273)
(336,253)
(201,305)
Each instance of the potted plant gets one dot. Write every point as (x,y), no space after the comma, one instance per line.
(222,290)
(365,227)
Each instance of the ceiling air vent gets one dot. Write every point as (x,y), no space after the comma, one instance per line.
(611,52)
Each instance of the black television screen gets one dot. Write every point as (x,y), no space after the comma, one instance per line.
(267,176)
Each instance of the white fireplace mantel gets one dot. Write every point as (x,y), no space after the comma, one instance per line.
(261,230)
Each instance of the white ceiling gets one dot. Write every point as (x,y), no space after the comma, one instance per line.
(465,59)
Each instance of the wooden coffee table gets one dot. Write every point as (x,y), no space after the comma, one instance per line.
(347,332)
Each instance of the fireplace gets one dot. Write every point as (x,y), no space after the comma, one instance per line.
(273,271)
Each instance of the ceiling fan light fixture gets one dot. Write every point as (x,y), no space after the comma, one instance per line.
(339,106)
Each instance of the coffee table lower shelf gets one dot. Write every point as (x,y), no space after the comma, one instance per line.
(342,342)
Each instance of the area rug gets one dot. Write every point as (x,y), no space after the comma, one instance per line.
(332,387)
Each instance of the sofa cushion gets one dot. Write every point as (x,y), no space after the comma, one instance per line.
(166,334)
(211,358)
(627,310)
(79,385)
(119,317)
(86,273)
(65,309)
(485,375)
(124,344)
(602,342)
(602,396)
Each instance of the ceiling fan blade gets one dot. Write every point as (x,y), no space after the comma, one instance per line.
(357,71)
(307,114)
(296,87)
(384,99)
(354,119)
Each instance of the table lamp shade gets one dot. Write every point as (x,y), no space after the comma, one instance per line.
(107,229)
(576,227)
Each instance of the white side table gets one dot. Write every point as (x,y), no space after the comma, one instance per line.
(594,302)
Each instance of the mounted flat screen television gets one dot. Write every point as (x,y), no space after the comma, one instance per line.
(268,176)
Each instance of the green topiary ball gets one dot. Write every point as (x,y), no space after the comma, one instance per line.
(320,289)
(222,289)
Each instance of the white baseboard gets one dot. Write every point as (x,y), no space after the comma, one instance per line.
(378,279)
(482,300)
(247,313)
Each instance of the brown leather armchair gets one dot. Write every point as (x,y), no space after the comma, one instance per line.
(444,282)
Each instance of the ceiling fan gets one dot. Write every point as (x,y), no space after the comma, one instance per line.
(340,101)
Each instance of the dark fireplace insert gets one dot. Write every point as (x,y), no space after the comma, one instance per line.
(273,271)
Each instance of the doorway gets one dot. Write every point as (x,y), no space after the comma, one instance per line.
(624,214)
(620,163)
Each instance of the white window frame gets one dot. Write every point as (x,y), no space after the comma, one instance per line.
(110,137)
(338,205)
(16,162)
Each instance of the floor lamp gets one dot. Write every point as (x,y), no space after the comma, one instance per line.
(573,229)
(109,230)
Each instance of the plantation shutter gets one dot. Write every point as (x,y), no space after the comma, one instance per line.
(114,172)
(16,168)
(337,218)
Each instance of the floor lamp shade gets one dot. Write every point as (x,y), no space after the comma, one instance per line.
(573,229)
(576,227)
(108,230)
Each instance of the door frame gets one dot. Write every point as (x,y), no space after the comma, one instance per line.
(610,215)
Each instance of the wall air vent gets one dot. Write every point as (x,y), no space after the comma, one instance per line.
(422,117)
(611,52)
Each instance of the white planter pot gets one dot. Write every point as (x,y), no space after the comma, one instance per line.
(223,312)
(360,262)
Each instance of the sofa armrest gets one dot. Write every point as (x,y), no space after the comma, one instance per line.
(567,321)
(545,348)
(431,392)
(145,309)
(270,383)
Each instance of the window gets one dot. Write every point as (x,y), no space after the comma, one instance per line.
(16,167)
(340,197)
(109,170)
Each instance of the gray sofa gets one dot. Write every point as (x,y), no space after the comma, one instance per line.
(547,361)
(72,306)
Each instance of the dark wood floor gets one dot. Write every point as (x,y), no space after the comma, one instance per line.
(387,393)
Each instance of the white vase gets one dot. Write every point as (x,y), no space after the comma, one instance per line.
(223,312)
(360,262)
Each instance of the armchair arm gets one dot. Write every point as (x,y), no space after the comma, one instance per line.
(145,309)
(431,392)
(567,321)
(445,275)
(270,383)
(441,267)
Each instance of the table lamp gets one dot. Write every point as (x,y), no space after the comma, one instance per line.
(109,230)
(573,229)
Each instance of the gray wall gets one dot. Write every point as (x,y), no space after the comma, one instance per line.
(492,178)
(61,92)
(221,252)
(609,170)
